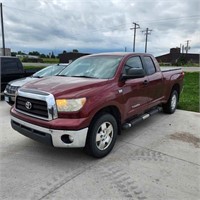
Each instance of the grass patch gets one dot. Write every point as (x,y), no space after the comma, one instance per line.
(33,67)
(191,65)
(189,99)
(51,60)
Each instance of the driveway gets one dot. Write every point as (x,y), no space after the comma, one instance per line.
(157,159)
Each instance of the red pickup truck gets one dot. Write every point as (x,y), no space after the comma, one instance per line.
(96,96)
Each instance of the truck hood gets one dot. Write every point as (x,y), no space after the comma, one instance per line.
(67,87)
(20,82)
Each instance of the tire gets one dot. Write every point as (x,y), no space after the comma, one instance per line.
(2,97)
(170,106)
(102,135)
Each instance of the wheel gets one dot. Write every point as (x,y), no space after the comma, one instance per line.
(171,104)
(102,135)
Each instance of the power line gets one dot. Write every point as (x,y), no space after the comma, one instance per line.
(136,26)
(147,32)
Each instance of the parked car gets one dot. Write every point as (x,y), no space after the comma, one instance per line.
(12,69)
(93,98)
(13,86)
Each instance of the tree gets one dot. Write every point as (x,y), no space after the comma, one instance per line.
(52,55)
(34,53)
(181,60)
(13,53)
(42,55)
(20,53)
(75,51)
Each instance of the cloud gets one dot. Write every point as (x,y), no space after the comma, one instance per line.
(100,25)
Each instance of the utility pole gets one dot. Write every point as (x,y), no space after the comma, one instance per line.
(136,26)
(3,40)
(187,46)
(147,32)
(180,47)
(183,49)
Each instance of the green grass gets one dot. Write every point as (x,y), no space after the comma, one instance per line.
(34,67)
(191,65)
(189,99)
(50,60)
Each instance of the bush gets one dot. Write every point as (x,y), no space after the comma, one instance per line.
(33,60)
(181,61)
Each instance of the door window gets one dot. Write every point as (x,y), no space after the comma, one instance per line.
(150,67)
(9,66)
(134,62)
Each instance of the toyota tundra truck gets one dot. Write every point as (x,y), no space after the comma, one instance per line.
(93,99)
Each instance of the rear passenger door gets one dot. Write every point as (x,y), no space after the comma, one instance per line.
(155,81)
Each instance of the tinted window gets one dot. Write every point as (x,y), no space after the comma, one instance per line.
(150,67)
(134,62)
(9,66)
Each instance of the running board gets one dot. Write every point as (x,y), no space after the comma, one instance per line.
(141,118)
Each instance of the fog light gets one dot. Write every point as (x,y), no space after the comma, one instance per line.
(71,138)
(68,139)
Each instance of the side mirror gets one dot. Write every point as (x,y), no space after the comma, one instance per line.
(133,73)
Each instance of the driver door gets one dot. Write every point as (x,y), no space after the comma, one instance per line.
(135,91)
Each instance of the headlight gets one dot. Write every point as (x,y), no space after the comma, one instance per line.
(70,105)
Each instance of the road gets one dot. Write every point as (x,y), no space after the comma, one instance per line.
(157,159)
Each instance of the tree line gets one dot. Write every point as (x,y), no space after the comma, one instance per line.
(41,55)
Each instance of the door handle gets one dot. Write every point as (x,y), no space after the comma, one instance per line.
(145,82)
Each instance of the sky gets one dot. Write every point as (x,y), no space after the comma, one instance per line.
(93,26)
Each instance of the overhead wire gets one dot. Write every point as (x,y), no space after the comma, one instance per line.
(120,27)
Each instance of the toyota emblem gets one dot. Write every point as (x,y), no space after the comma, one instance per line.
(28,105)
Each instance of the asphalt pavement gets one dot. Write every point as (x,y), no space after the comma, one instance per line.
(157,159)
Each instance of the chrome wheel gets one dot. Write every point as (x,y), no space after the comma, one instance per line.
(170,106)
(104,136)
(173,102)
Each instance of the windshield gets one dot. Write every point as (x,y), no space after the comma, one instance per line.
(49,71)
(103,67)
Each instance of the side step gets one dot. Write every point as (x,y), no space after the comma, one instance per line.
(141,118)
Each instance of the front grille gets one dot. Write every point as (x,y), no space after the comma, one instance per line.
(11,89)
(32,106)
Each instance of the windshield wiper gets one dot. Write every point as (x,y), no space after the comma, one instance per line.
(84,76)
(36,76)
(77,76)
(60,75)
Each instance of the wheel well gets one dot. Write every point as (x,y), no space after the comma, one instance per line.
(113,110)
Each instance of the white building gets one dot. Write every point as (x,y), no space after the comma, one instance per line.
(7,51)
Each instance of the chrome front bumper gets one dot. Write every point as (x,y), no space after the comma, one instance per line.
(9,97)
(50,136)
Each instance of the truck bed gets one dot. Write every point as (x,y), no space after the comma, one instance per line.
(167,69)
